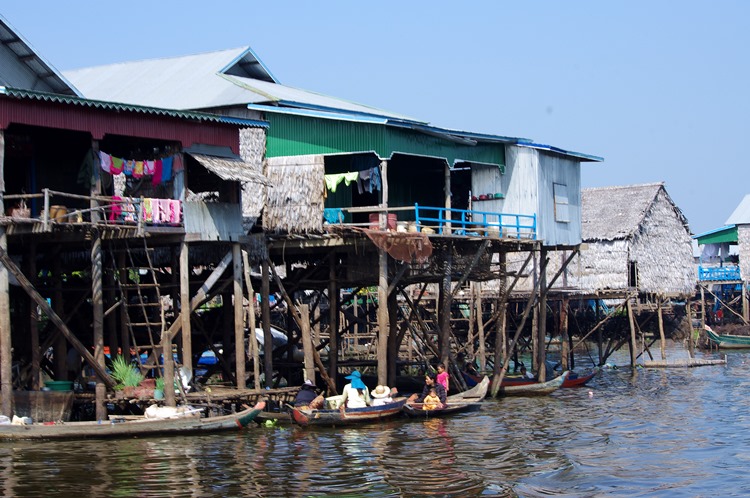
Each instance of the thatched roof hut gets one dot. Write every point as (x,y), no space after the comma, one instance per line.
(634,237)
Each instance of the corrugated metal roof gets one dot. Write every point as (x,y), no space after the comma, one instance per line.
(41,75)
(718,235)
(557,150)
(64,99)
(230,169)
(741,214)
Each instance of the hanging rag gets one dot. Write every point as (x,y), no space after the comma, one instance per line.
(105,161)
(166,168)
(156,179)
(175,211)
(88,165)
(333,215)
(128,167)
(332,181)
(117,166)
(138,169)
(375,183)
(115,210)
(148,210)
(363,182)
(148,167)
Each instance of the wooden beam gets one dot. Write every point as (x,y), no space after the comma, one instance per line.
(200,296)
(55,318)
(474,262)
(240,357)
(253,340)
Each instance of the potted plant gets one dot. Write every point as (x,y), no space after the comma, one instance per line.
(159,389)
(126,376)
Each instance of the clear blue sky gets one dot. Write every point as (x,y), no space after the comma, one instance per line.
(659,89)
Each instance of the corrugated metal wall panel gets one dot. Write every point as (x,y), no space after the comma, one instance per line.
(301,135)
(101,122)
(555,169)
(413,142)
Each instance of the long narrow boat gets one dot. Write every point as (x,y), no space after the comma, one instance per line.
(535,389)
(334,417)
(728,341)
(467,401)
(572,380)
(115,428)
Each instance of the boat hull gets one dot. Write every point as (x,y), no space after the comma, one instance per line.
(728,341)
(307,417)
(534,389)
(186,424)
(467,401)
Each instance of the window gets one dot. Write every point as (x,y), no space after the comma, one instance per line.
(560,192)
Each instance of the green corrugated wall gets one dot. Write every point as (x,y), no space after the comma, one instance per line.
(291,135)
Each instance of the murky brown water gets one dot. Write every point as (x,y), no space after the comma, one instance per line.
(676,432)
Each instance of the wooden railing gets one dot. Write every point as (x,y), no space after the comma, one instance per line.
(56,209)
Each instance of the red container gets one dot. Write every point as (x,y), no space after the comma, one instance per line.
(375,221)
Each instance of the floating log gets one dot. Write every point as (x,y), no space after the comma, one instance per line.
(687,362)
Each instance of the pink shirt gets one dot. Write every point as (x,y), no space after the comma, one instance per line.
(442,379)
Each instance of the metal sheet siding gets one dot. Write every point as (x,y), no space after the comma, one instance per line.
(555,169)
(301,135)
(101,122)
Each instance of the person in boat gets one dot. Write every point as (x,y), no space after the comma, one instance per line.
(307,397)
(443,377)
(429,383)
(382,395)
(431,401)
(525,374)
(355,394)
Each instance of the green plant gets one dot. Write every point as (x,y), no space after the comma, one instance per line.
(159,384)
(125,374)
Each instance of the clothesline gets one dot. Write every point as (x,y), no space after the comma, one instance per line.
(160,170)
(367,180)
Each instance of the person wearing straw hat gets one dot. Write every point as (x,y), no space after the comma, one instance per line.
(382,395)
(356,394)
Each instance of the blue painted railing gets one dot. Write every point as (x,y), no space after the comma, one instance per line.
(719,273)
(464,222)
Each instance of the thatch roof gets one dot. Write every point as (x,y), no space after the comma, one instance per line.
(612,213)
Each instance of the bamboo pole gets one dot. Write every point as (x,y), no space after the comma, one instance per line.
(333,319)
(542,324)
(187,333)
(383,321)
(631,320)
(691,346)
(564,339)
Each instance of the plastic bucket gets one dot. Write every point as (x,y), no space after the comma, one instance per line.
(59,385)
(58,213)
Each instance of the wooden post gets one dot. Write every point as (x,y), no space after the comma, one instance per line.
(447,230)
(36,381)
(542,324)
(265,309)
(745,304)
(60,348)
(307,344)
(564,339)
(662,339)
(480,331)
(251,320)
(689,310)
(239,321)
(98,320)
(333,319)
(444,317)
(187,342)
(393,343)
(6,359)
(633,343)
(703,308)
(383,321)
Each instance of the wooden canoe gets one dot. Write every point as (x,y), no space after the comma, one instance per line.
(728,341)
(572,380)
(535,389)
(124,428)
(467,401)
(349,416)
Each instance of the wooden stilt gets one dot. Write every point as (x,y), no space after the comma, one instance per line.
(745,303)
(187,333)
(632,342)
(239,321)
(123,311)
(6,360)
(60,348)
(383,321)
(393,338)
(98,320)
(689,313)
(444,316)
(482,353)
(564,339)
(253,341)
(542,325)
(307,344)
(333,319)
(265,309)
(36,381)
(663,340)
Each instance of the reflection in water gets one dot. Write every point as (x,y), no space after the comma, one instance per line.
(676,432)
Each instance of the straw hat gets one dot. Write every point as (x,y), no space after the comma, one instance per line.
(381,392)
